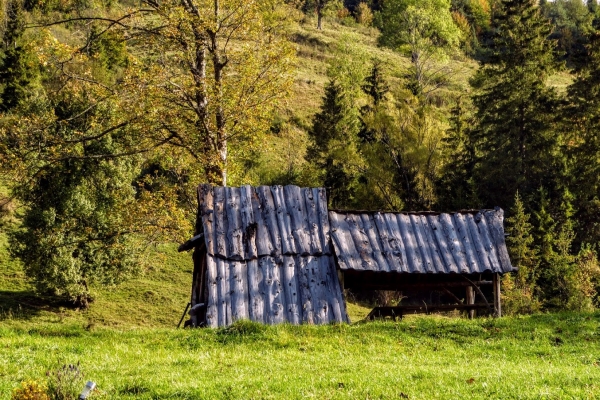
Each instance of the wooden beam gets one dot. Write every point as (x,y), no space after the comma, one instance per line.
(470,299)
(497,305)
(352,283)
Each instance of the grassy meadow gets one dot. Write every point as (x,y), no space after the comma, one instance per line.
(537,357)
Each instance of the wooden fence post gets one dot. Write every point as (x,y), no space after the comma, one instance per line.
(497,305)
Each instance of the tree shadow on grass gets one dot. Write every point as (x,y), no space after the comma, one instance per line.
(26,304)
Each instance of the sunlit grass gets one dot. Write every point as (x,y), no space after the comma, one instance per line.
(543,356)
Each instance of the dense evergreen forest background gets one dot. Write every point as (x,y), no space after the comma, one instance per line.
(112,112)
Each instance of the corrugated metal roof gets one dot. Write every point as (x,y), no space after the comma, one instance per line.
(249,222)
(268,256)
(272,290)
(463,242)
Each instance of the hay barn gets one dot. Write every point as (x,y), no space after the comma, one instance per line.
(275,254)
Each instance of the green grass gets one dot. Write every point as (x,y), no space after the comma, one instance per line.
(537,357)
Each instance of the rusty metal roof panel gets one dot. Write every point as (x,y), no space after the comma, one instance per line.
(249,222)
(463,242)
(271,290)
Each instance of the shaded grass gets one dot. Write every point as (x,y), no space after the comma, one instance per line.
(420,357)
(156,298)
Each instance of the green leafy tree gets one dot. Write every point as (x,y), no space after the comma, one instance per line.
(426,33)
(572,22)
(514,137)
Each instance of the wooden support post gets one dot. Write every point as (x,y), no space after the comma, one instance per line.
(470,299)
(341,279)
(497,305)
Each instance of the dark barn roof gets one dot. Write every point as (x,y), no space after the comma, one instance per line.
(268,255)
(463,242)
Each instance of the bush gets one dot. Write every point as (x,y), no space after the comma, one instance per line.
(518,298)
(65,383)
(364,15)
(583,281)
(30,390)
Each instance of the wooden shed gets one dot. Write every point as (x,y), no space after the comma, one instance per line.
(275,254)
(264,254)
(438,261)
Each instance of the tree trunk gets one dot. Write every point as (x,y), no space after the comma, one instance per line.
(319,14)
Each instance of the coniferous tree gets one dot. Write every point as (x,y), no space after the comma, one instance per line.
(375,87)
(519,288)
(456,187)
(582,127)
(333,149)
(514,136)
(16,66)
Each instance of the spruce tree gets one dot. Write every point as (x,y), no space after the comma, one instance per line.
(582,127)
(456,187)
(333,149)
(513,135)
(519,289)
(16,65)
(375,87)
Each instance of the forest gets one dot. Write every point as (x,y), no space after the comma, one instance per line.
(113,111)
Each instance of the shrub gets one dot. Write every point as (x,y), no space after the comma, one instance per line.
(364,15)
(30,390)
(65,383)
(582,282)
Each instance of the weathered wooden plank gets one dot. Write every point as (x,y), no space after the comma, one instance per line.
(249,225)
(310,200)
(205,208)
(339,290)
(299,218)
(327,294)
(269,214)
(239,290)
(275,298)
(256,292)
(361,242)
(449,264)
(336,312)
(319,301)
(234,224)
(321,197)
(454,245)
(465,239)
(220,222)
(484,262)
(284,221)
(340,232)
(495,220)
(308,315)
(422,245)
(264,245)
(290,287)
(212,313)
(413,254)
(223,294)
(432,245)
(370,229)
(385,239)
(488,243)
(397,243)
